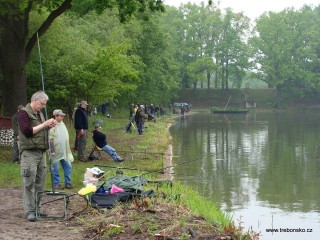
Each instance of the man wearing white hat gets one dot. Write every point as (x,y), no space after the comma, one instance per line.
(60,151)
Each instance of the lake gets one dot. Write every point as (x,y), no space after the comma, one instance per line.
(263,168)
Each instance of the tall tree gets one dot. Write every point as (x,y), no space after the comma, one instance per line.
(159,80)
(212,25)
(287,48)
(212,42)
(194,17)
(17,42)
(83,57)
(231,50)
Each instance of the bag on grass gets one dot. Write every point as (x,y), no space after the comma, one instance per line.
(103,200)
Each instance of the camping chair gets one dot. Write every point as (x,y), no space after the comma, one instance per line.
(95,153)
(127,129)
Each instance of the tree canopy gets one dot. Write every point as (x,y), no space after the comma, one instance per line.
(17,42)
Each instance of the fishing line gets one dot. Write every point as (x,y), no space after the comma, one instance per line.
(144,152)
(196,155)
(174,165)
(162,169)
(203,156)
(106,166)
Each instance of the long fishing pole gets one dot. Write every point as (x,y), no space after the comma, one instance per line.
(145,152)
(46,114)
(161,170)
(144,170)
(173,165)
(41,72)
(106,166)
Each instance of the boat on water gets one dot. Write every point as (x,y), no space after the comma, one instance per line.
(229,111)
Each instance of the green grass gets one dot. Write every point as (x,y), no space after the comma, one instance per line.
(9,172)
(190,198)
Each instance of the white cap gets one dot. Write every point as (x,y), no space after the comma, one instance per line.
(58,112)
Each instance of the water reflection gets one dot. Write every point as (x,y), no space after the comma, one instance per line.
(263,163)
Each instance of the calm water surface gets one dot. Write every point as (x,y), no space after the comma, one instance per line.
(263,168)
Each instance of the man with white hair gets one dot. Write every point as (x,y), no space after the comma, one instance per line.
(33,137)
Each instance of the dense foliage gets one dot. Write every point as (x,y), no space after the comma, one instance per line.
(18,43)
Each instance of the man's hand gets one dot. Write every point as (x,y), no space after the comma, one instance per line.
(50,123)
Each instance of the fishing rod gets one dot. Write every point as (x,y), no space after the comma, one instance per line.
(53,192)
(161,170)
(136,169)
(46,114)
(145,151)
(182,163)
(190,155)
(173,165)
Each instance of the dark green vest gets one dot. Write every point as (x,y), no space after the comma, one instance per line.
(38,141)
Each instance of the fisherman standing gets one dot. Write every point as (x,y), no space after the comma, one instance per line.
(81,126)
(33,135)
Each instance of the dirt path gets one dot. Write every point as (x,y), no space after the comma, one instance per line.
(14,225)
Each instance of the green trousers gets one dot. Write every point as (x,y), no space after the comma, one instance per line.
(33,173)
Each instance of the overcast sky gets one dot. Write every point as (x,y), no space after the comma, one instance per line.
(251,8)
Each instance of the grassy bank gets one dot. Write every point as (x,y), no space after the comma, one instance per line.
(145,156)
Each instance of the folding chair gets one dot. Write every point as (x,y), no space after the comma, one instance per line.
(95,153)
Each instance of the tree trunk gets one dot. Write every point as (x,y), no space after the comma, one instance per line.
(216,75)
(208,78)
(227,75)
(15,52)
(222,78)
(216,79)
(278,97)
(12,55)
